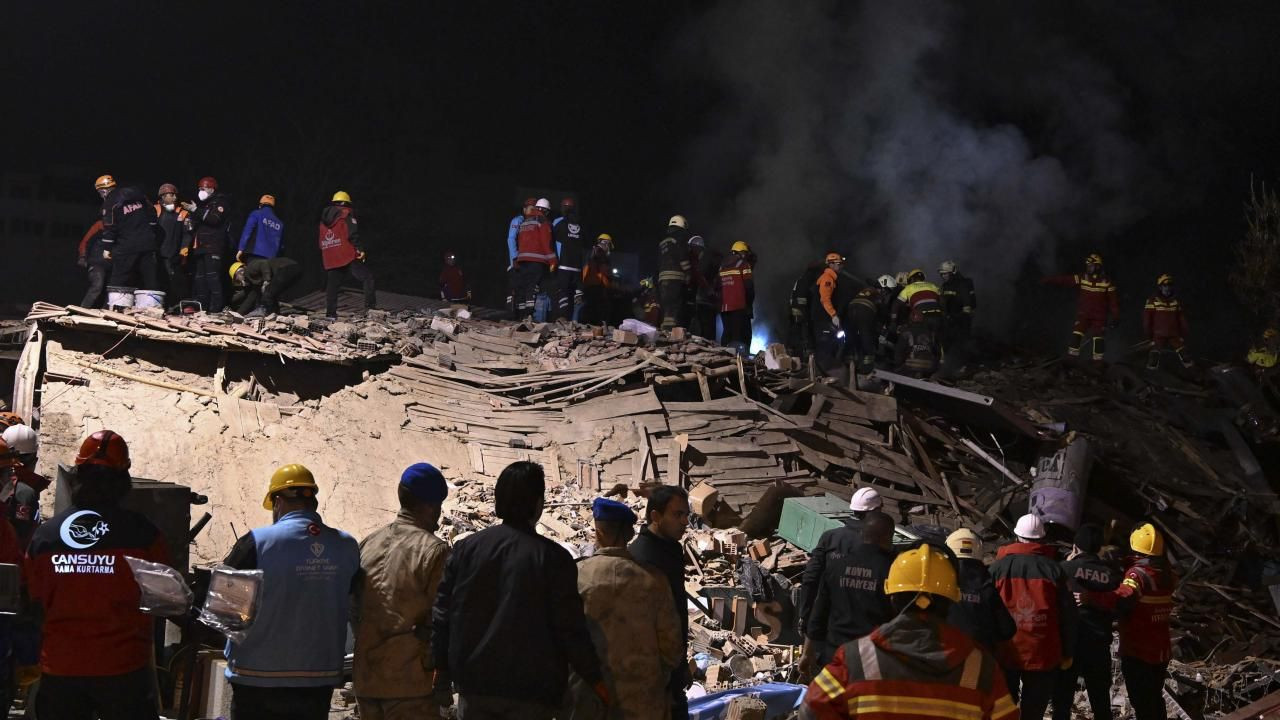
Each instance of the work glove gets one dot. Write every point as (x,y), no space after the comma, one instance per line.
(835,321)
(190,206)
(360,255)
(106,254)
(602,691)
(240,256)
(82,261)
(1065,664)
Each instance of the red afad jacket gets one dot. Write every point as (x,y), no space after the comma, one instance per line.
(1037,593)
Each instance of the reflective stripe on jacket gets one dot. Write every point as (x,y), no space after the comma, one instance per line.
(1163,317)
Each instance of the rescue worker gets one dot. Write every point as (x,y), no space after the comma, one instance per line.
(863,318)
(1097,308)
(454,287)
(919,309)
(840,541)
(97,263)
(25,513)
(673,270)
(980,613)
(630,618)
(97,645)
(827,325)
(263,232)
(291,657)
(342,253)
(702,300)
(175,235)
(1090,578)
(401,566)
(210,241)
(959,300)
(800,335)
(573,254)
(1144,601)
(260,282)
(513,230)
(507,624)
(19,636)
(884,314)
(1262,356)
(1035,589)
(535,258)
(915,665)
(737,291)
(851,600)
(1164,322)
(129,235)
(9,419)
(597,279)
(659,546)
(648,309)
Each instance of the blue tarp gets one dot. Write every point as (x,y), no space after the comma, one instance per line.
(781,698)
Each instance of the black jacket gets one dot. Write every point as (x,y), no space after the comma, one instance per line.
(508,620)
(839,540)
(174,232)
(128,222)
(981,613)
(575,249)
(667,557)
(958,294)
(851,600)
(1087,573)
(211,223)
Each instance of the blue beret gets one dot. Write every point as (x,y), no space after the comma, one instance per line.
(612,510)
(425,482)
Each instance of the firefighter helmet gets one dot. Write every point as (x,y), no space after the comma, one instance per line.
(209,182)
(341,196)
(740,246)
(697,241)
(678,221)
(8,420)
(104,182)
(166,189)
(887,282)
(1146,540)
(1165,279)
(1093,259)
(926,571)
(105,448)
(965,543)
(916,275)
(267,200)
(605,239)
(947,267)
(900,278)
(834,257)
(289,476)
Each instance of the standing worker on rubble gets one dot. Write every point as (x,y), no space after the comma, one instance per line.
(535,258)
(915,665)
(97,645)
(260,282)
(597,279)
(513,230)
(836,542)
(96,262)
(673,270)
(827,324)
(402,565)
(1091,579)
(630,617)
(980,612)
(959,300)
(175,231)
(1097,308)
(704,265)
(129,236)
(1144,601)
(660,546)
(800,333)
(263,232)
(646,306)
(573,254)
(1164,322)
(919,308)
(863,319)
(291,658)
(851,598)
(1038,595)
(342,253)
(453,284)
(25,444)
(210,242)
(508,623)
(737,290)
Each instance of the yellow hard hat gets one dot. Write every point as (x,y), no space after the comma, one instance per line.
(271,200)
(605,237)
(1093,259)
(1165,279)
(926,571)
(288,476)
(739,246)
(917,273)
(834,257)
(104,182)
(234,267)
(965,543)
(341,196)
(1147,540)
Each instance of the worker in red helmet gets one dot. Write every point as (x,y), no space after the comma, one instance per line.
(98,646)
(453,284)
(210,242)
(175,228)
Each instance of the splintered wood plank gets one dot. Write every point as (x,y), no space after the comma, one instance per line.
(477,458)
(614,406)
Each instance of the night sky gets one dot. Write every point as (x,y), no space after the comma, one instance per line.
(1130,128)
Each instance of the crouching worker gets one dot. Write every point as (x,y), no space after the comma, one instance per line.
(260,282)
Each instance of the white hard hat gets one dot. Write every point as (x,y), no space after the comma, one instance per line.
(865,499)
(697,241)
(946,267)
(22,439)
(544,203)
(678,221)
(965,543)
(887,282)
(1030,527)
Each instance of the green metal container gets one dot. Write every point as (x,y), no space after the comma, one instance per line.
(804,519)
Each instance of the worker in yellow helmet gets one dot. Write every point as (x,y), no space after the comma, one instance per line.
(737,289)
(291,658)
(915,665)
(1262,356)
(342,253)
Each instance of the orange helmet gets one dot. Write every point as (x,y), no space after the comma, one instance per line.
(104,182)
(105,448)
(8,420)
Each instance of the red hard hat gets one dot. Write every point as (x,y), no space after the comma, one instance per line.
(104,448)
(208,181)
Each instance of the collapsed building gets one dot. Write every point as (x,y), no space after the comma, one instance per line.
(770,451)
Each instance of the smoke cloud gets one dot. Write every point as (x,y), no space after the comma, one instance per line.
(875,129)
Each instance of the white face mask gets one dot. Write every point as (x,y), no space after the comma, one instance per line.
(169,206)
(203,194)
